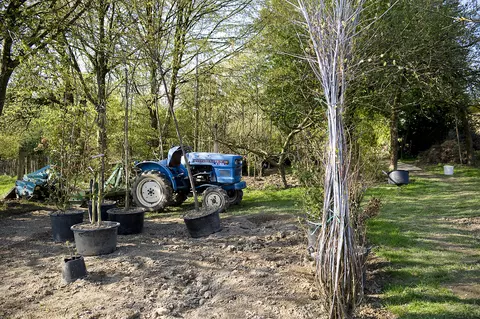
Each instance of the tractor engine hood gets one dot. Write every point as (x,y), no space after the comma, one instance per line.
(214,159)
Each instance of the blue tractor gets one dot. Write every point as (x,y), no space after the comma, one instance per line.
(33,185)
(166,183)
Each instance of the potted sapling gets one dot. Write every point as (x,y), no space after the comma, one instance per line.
(202,221)
(63,178)
(131,219)
(97,237)
(65,216)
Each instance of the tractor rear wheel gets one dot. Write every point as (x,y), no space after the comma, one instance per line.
(152,191)
(215,198)
(235,196)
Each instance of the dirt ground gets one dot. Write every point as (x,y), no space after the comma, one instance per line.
(272,181)
(256,267)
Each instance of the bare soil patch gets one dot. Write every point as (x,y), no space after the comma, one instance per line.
(273,181)
(372,307)
(470,223)
(256,267)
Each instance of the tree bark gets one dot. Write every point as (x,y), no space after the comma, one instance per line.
(153,93)
(21,163)
(196,110)
(215,138)
(126,168)
(394,137)
(101,71)
(6,69)
(468,135)
(394,120)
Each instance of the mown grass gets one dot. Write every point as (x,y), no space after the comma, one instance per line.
(429,253)
(6,183)
(271,200)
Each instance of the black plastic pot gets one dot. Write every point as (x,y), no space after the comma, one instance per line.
(131,220)
(61,223)
(202,223)
(93,240)
(398,177)
(73,268)
(106,205)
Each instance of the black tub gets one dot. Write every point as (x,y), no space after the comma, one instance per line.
(61,223)
(131,220)
(202,223)
(398,177)
(93,240)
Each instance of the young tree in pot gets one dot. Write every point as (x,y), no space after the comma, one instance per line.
(64,177)
(65,217)
(202,221)
(93,49)
(96,237)
(130,218)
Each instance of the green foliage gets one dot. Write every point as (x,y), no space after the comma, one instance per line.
(69,148)
(398,67)
(290,89)
(11,144)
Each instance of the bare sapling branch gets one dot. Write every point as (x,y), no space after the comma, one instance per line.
(331,26)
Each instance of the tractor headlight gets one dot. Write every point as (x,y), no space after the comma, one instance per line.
(238,162)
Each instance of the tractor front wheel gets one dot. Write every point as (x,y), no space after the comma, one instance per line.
(152,191)
(235,196)
(178,199)
(215,198)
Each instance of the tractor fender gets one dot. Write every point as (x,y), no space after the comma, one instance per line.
(156,166)
(227,187)
(237,186)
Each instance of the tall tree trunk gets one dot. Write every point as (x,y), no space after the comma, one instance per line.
(394,121)
(215,138)
(125,145)
(101,107)
(394,137)
(458,141)
(468,135)
(196,110)
(154,96)
(21,163)
(7,65)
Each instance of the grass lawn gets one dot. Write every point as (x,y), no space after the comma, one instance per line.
(6,183)
(429,232)
(280,201)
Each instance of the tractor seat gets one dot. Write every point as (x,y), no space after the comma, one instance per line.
(175,159)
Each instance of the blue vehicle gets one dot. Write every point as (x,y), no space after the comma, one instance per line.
(33,185)
(165,183)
